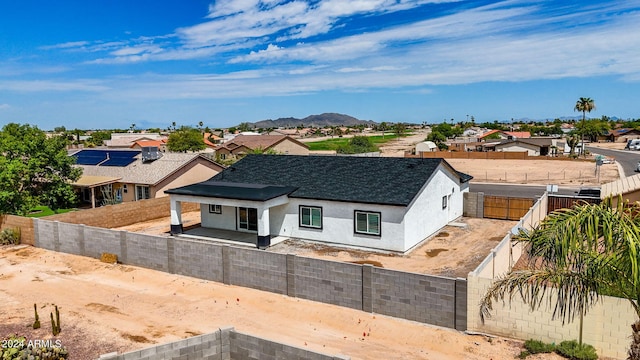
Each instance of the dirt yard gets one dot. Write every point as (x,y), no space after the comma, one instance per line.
(559,172)
(105,307)
(453,252)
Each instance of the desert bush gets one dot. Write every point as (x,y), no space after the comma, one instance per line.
(574,351)
(10,236)
(538,347)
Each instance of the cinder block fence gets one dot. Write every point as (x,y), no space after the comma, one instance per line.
(429,299)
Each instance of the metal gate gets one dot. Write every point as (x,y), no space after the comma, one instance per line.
(506,208)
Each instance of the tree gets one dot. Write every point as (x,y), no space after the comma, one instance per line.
(36,170)
(572,142)
(185,139)
(438,139)
(357,145)
(585,105)
(579,253)
(98,137)
(399,129)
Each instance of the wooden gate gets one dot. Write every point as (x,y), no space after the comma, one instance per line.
(506,208)
(563,202)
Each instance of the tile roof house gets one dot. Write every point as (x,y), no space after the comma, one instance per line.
(160,144)
(382,203)
(124,174)
(242,144)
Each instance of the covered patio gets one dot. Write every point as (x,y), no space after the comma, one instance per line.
(88,183)
(235,211)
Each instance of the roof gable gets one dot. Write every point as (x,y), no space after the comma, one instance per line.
(375,180)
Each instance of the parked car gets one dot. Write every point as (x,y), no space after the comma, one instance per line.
(638,167)
(589,192)
(633,144)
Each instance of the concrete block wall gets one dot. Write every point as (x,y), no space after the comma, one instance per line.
(607,326)
(113,216)
(427,299)
(223,344)
(258,269)
(416,297)
(207,347)
(329,282)
(247,347)
(197,259)
(473,205)
(147,251)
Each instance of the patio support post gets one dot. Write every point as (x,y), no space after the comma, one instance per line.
(176,217)
(264,236)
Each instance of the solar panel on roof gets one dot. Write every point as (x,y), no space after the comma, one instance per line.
(113,158)
(121,162)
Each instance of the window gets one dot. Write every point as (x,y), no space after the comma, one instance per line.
(311,217)
(142,192)
(367,222)
(215,209)
(124,188)
(248,219)
(444,202)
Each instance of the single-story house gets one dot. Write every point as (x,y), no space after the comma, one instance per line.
(125,140)
(371,202)
(623,135)
(533,146)
(243,144)
(128,175)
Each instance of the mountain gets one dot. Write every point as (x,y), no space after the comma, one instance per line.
(322,120)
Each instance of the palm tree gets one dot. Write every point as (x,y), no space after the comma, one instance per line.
(580,254)
(585,105)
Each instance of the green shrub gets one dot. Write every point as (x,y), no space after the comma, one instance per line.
(573,350)
(10,236)
(538,347)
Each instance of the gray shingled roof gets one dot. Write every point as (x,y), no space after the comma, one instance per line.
(374,180)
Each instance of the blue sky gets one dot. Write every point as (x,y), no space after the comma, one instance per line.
(108,64)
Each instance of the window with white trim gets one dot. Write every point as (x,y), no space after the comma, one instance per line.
(142,192)
(367,222)
(215,209)
(311,216)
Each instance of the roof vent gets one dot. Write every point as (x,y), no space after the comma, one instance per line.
(150,153)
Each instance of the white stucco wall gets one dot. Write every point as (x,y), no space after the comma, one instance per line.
(338,224)
(226,220)
(425,215)
(530,149)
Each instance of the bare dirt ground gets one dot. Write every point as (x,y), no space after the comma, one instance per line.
(106,307)
(559,172)
(453,252)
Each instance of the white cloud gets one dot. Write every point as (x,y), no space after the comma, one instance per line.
(66,45)
(52,85)
(4,106)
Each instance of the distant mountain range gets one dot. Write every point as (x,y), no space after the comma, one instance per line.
(322,120)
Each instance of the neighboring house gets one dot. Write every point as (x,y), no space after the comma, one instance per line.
(124,176)
(125,140)
(160,144)
(623,135)
(243,144)
(533,146)
(212,140)
(505,135)
(371,202)
(426,146)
